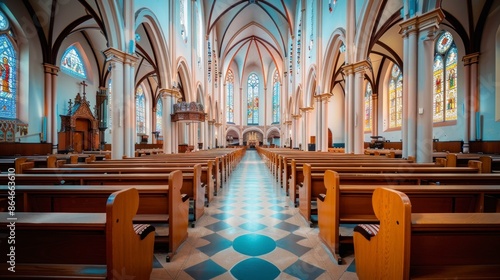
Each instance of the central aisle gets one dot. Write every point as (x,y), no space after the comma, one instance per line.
(250,231)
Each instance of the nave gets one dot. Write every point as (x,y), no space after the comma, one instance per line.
(250,231)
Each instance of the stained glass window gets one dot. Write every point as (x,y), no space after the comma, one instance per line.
(445,79)
(140,110)
(183,16)
(368,108)
(159,115)
(276,98)
(4,22)
(199,38)
(230,97)
(72,63)
(395,98)
(253,99)
(8,73)
(110,106)
(299,35)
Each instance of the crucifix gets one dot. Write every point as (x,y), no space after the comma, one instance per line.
(84,85)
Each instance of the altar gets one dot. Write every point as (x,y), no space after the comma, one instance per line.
(252,140)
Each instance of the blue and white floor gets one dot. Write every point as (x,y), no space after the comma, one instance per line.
(251,231)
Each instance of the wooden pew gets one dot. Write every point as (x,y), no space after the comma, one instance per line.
(78,245)
(171,207)
(297,176)
(352,204)
(192,184)
(427,245)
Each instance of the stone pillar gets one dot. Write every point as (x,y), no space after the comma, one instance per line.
(218,135)
(325,97)
(50,106)
(123,103)
(305,133)
(319,123)
(375,113)
(211,134)
(427,24)
(168,99)
(409,30)
(349,108)
(359,106)
(471,99)
(295,134)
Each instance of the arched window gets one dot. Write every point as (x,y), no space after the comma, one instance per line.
(395,98)
(159,115)
(140,110)
(8,72)
(183,16)
(199,38)
(276,98)
(110,107)
(368,108)
(72,63)
(253,99)
(445,79)
(230,97)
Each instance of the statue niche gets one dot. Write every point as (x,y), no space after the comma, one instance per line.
(79,128)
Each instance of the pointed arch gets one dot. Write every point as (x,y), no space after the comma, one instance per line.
(311,86)
(185,80)
(332,51)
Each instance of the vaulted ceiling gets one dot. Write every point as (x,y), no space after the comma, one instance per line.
(251,33)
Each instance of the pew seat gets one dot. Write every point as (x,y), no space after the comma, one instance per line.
(427,245)
(78,245)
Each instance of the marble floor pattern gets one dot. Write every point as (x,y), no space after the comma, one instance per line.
(251,231)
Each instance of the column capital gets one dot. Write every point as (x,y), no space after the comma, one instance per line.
(217,124)
(323,96)
(115,55)
(288,122)
(166,92)
(51,69)
(296,116)
(472,58)
(430,19)
(211,122)
(356,67)
(306,109)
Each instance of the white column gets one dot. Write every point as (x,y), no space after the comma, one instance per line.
(117,135)
(474,97)
(129,111)
(319,122)
(412,95)
(349,108)
(375,114)
(325,97)
(358,105)
(404,125)
(49,110)
(295,133)
(168,109)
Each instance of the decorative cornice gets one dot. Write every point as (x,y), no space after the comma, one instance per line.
(472,58)
(174,92)
(357,67)
(115,55)
(51,69)
(430,19)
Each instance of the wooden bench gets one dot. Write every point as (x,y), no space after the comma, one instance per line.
(78,245)
(352,204)
(427,245)
(298,173)
(166,207)
(192,184)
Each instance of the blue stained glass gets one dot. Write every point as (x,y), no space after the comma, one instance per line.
(72,63)
(230,97)
(110,106)
(8,73)
(140,110)
(276,98)
(159,115)
(253,99)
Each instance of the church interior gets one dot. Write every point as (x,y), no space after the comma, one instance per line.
(250,139)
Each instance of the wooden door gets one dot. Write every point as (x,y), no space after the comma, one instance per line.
(78,141)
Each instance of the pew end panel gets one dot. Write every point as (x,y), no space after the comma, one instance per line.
(178,214)
(328,215)
(121,238)
(386,254)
